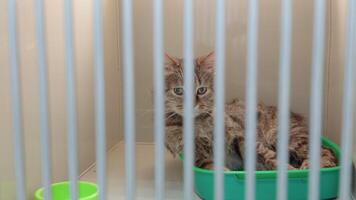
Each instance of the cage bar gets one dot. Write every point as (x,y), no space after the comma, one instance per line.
(16,103)
(348,102)
(316,100)
(159,104)
(189,99)
(129,99)
(251,99)
(71,99)
(100,100)
(283,98)
(46,147)
(219,128)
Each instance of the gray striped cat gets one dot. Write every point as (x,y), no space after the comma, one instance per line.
(234,123)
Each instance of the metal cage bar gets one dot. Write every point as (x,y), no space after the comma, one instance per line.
(46,147)
(189,99)
(219,128)
(251,99)
(348,101)
(16,102)
(129,98)
(283,98)
(316,100)
(100,100)
(159,82)
(71,99)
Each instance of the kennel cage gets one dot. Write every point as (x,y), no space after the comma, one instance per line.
(316,105)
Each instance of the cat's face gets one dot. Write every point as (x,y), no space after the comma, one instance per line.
(203,87)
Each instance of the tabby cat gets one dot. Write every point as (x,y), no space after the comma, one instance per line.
(234,123)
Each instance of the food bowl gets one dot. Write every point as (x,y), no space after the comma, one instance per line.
(61,191)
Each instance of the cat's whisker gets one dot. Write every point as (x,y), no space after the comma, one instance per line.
(171,116)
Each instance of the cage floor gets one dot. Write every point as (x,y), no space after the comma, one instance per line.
(144,173)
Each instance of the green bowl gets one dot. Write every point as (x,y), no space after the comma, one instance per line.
(266,182)
(61,191)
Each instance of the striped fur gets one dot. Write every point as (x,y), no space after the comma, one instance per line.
(234,124)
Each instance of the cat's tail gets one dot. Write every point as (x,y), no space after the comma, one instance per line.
(328,159)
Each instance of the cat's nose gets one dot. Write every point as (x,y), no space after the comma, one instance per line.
(196,110)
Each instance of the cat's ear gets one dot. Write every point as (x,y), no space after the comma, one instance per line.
(170,63)
(207,62)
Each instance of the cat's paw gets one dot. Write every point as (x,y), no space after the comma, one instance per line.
(226,169)
(290,167)
(210,166)
(305,165)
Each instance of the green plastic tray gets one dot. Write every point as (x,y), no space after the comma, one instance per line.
(266,182)
(61,191)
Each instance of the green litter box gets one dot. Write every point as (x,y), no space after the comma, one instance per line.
(266,182)
(61,191)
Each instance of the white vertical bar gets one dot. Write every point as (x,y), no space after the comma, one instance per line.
(100,99)
(349,86)
(71,100)
(219,129)
(189,99)
(284,93)
(129,98)
(316,98)
(44,112)
(159,100)
(251,99)
(16,103)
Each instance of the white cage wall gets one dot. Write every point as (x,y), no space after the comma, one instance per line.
(236,34)
(83,28)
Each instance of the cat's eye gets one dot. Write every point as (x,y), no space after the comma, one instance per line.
(178,91)
(202,90)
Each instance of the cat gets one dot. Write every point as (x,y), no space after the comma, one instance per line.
(234,119)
